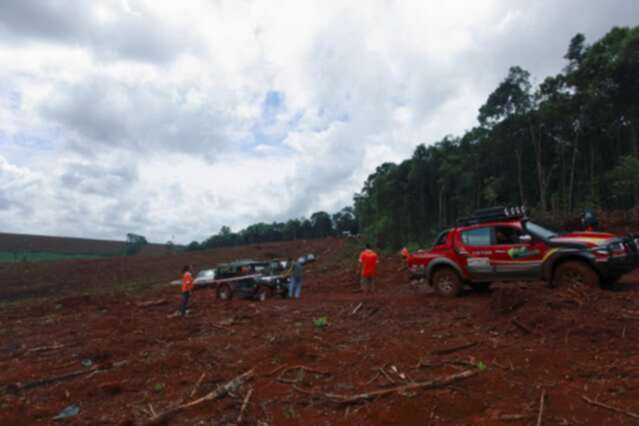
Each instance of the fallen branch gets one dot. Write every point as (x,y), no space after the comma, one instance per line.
(283,379)
(374,378)
(372,312)
(219,392)
(383,371)
(150,303)
(56,379)
(357,308)
(45,348)
(455,364)
(610,407)
(454,349)
(541,407)
(197,385)
(513,417)
(346,399)
(522,327)
(221,327)
(270,373)
(306,392)
(244,404)
(631,313)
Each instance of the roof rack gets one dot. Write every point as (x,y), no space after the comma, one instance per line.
(492,214)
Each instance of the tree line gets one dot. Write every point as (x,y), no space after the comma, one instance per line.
(567,143)
(319,225)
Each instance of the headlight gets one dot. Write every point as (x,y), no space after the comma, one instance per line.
(618,246)
(617,249)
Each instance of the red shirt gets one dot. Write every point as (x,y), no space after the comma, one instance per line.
(368,259)
(187,282)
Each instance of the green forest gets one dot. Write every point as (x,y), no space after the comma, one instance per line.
(566,144)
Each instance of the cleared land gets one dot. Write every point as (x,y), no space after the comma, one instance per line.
(21,245)
(109,347)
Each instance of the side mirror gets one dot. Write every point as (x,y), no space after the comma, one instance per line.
(525,239)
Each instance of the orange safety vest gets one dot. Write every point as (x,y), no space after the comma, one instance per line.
(187,282)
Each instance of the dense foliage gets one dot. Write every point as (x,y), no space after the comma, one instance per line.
(568,143)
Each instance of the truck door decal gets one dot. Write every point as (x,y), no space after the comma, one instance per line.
(479,265)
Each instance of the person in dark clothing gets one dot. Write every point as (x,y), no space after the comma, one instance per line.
(295,273)
(589,220)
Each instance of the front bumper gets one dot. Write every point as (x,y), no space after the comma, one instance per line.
(616,266)
(417,271)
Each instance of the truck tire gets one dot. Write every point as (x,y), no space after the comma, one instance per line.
(224,292)
(575,272)
(447,282)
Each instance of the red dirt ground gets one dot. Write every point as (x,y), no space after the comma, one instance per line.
(582,343)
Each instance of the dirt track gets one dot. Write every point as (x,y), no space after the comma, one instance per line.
(521,340)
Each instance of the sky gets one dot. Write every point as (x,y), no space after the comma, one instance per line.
(171,119)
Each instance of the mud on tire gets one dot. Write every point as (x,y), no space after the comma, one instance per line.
(574,272)
(447,282)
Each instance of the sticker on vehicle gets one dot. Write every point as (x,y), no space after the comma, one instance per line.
(479,264)
(521,252)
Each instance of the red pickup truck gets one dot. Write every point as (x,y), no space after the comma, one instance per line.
(502,244)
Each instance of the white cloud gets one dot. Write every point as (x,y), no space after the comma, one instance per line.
(171,119)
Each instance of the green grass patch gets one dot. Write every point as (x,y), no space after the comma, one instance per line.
(10,257)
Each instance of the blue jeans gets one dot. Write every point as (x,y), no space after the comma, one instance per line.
(295,288)
(185,302)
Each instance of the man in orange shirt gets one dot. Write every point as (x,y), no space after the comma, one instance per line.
(368,267)
(187,288)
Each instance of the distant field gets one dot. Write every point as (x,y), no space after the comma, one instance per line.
(9,257)
(42,247)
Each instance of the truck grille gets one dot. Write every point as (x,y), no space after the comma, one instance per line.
(631,243)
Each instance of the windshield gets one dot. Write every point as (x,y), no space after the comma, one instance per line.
(540,231)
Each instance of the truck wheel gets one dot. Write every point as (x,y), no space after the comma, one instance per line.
(263,293)
(224,292)
(575,272)
(447,282)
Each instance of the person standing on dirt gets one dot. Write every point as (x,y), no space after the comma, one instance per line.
(368,261)
(187,288)
(295,273)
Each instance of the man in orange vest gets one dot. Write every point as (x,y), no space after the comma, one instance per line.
(187,288)
(368,268)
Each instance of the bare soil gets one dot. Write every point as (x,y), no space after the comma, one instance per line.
(519,340)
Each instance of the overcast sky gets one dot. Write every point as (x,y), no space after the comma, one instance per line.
(173,118)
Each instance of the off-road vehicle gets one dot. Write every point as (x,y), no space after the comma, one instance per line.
(252,279)
(242,278)
(503,244)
